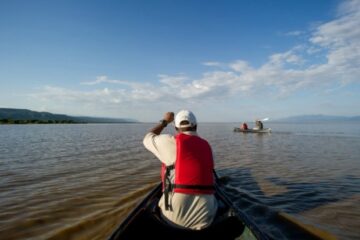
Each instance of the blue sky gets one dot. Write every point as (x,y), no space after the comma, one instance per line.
(224,60)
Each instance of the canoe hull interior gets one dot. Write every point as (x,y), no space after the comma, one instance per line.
(146,221)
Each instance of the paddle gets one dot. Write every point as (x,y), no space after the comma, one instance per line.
(222,179)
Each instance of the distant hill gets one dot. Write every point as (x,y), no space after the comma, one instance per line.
(318,118)
(26,115)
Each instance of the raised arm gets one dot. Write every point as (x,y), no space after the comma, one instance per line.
(168,118)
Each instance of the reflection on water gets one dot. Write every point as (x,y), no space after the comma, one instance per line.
(80,181)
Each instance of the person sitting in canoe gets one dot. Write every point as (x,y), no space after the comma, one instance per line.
(258,125)
(188,198)
(244,126)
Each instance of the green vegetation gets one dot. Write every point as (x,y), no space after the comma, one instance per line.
(24,116)
(34,121)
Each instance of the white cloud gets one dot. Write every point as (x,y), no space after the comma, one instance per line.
(240,66)
(294,33)
(212,64)
(66,95)
(312,50)
(173,81)
(104,79)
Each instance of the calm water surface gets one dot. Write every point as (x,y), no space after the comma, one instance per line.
(80,181)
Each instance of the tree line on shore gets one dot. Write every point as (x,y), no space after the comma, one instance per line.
(25,116)
(33,121)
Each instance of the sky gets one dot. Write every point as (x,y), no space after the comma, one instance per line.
(225,60)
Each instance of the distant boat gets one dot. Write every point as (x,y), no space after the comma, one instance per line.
(264,130)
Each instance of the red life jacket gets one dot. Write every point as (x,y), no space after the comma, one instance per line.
(193,166)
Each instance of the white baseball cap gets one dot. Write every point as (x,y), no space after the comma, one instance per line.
(185,115)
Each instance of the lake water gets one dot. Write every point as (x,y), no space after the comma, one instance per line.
(79,181)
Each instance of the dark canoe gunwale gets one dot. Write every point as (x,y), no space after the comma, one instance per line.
(155,194)
(264,130)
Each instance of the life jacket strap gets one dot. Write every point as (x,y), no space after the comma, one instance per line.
(168,186)
(199,187)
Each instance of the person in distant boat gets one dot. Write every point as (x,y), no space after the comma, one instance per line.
(187,172)
(244,126)
(258,125)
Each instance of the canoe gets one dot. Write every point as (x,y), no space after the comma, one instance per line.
(264,130)
(145,221)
